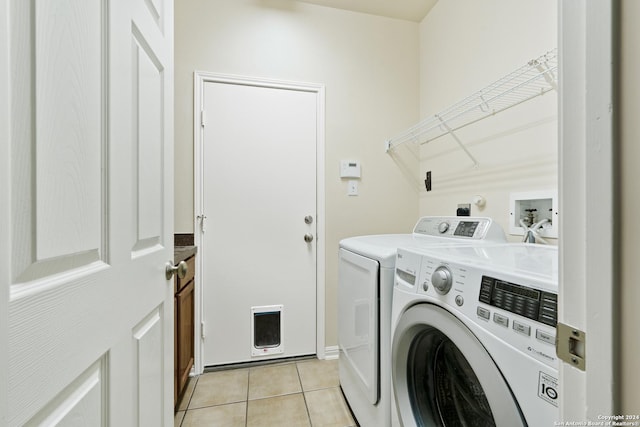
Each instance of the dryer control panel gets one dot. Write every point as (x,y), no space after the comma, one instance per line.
(474,228)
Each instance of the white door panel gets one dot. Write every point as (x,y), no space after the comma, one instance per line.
(259,183)
(148,336)
(90,176)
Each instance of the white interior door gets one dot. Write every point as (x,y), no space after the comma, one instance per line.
(87,179)
(258,186)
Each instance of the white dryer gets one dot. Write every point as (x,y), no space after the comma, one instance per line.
(474,336)
(365,286)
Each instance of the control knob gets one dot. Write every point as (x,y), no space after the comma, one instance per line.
(443,227)
(442,280)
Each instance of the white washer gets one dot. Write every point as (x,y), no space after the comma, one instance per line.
(365,284)
(474,336)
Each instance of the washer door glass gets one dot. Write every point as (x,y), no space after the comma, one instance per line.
(443,375)
(442,385)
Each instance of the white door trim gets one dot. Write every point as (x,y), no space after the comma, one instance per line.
(200,78)
(5,212)
(588,239)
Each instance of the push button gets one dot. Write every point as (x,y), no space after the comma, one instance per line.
(501,320)
(483,313)
(545,337)
(522,328)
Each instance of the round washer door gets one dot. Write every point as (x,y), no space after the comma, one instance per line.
(443,376)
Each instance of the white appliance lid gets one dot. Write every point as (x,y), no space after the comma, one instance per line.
(426,232)
(381,247)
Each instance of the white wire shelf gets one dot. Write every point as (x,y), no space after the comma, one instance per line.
(536,78)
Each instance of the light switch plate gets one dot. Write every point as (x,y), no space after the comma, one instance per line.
(352,188)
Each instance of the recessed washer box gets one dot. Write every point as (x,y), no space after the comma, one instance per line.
(538,205)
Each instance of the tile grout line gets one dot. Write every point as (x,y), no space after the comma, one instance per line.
(246,406)
(193,391)
(304,396)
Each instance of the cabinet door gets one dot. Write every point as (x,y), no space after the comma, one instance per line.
(184,324)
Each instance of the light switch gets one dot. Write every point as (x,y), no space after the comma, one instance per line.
(352,188)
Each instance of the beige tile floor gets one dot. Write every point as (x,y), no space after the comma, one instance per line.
(288,394)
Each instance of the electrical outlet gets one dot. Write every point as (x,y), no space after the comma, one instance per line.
(464,209)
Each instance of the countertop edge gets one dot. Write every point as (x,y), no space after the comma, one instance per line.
(182,253)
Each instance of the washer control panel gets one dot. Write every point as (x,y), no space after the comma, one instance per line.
(528,302)
(522,312)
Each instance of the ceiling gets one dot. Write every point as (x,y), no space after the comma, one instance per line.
(409,10)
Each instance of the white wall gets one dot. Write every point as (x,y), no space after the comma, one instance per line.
(369,65)
(464,46)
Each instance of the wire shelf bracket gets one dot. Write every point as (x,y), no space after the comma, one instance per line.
(534,79)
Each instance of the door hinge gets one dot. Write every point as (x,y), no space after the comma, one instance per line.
(202,334)
(203,116)
(571,345)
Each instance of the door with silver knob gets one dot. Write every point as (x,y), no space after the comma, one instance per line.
(88,161)
(275,228)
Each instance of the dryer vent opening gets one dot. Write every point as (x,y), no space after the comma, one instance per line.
(266,330)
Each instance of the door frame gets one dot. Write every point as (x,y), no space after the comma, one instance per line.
(5,212)
(200,78)
(589,237)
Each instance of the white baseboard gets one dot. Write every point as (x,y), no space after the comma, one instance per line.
(331,353)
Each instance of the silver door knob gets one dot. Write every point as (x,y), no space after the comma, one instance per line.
(308,238)
(181,269)
(308,219)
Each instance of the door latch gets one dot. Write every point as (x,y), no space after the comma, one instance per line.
(571,345)
(203,226)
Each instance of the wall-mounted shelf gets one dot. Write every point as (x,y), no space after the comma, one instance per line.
(536,78)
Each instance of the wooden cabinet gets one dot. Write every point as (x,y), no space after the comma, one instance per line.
(184,327)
